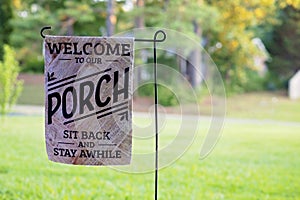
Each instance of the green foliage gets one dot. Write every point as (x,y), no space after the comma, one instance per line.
(285,44)
(6,29)
(33,64)
(252,81)
(65,17)
(226,27)
(26,39)
(235,54)
(166,97)
(10,87)
(255,81)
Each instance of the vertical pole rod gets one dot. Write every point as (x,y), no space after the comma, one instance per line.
(156,120)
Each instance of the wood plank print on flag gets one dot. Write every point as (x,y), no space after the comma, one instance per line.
(88,99)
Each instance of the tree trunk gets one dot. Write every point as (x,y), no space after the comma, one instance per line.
(139,23)
(69,24)
(139,20)
(181,61)
(193,70)
(111,18)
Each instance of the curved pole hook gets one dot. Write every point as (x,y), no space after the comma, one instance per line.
(43,29)
(154,38)
(162,39)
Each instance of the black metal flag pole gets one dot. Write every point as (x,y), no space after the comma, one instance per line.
(154,40)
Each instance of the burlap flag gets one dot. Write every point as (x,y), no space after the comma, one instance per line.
(88,99)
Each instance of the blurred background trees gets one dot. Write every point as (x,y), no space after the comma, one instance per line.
(283,44)
(240,35)
(6,13)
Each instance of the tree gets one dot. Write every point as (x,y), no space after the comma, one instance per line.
(65,17)
(231,46)
(6,29)
(190,17)
(72,13)
(10,87)
(284,44)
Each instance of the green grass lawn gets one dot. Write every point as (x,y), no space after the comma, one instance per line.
(264,105)
(251,161)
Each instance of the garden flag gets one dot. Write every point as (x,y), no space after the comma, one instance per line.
(88,99)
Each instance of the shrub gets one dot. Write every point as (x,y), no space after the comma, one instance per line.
(165,96)
(33,64)
(10,86)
